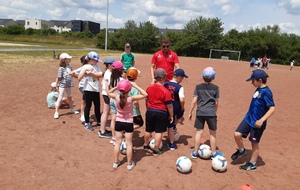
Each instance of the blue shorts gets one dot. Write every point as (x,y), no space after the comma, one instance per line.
(113,106)
(210,120)
(177,115)
(255,133)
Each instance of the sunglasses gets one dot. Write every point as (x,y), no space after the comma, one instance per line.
(165,46)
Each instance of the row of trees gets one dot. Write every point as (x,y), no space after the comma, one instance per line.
(196,39)
(202,34)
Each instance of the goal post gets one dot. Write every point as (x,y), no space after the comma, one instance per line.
(224,54)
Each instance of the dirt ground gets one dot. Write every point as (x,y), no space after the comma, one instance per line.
(39,152)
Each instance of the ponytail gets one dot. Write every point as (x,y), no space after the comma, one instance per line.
(122,99)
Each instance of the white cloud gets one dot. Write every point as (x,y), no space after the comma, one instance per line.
(291,6)
(229,9)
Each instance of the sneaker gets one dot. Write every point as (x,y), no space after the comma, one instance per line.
(116,164)
(130,166)
(106,134)
(194,155)
(56,115)
(238,154)
(74,111)
(171,146)
(82,119)
(248,167)
(113,141)
(157,152)
(88,126)
(147,147)
(216,154)
(98,124)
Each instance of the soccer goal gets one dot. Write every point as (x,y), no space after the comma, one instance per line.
(224,54)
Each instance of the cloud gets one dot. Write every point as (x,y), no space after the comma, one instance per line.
(291,6)
(229,9)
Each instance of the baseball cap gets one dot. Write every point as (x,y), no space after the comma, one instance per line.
(132,73)
(109,60)
(180,73)
(209,72)
(127,45)
(124,85)
(95,56)
(65,56)
(258,74)
(160,74)
(117,65)
(53,85)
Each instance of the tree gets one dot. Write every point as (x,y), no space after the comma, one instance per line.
(200,35)
(15,29)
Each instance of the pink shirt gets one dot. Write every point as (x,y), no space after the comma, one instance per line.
(125,114)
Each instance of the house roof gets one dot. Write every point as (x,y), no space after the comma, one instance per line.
(5,21)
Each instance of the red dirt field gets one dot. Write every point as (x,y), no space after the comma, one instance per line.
(39,152)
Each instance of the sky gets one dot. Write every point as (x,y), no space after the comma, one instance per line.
(241,15)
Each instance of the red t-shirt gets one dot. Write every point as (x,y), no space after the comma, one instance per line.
(165,61)
(158,97)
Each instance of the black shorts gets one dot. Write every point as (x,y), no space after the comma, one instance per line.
(255,133)
(210,120)
(106,99)
(138,120)
(156,121)
(122,126)
(177,115)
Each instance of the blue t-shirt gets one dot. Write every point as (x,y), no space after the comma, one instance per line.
(262,100)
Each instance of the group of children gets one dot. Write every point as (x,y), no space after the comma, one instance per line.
(262,63)
(164,105)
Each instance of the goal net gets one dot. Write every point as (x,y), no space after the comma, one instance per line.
(225,54)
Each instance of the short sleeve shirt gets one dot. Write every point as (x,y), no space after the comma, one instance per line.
(166,61)
(158,97)
(66,80)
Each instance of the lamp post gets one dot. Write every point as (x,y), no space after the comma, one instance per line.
(107,5)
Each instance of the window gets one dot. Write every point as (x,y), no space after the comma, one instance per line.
(27,22)
(35,23)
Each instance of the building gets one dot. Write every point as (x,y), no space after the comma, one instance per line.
(7,22)
(61,26)
(80,26)
(38,24)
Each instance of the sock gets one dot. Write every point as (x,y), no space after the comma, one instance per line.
(253,163)
(242,150)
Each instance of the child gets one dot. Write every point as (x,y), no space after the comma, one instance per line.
(177,93)
(124,118)
(127,58)
(261,108)
(292,64)
(131,75)
(206,96)
(159,112)
(52,97)
(65,83)
(92,73)
(75,74)
(105,83)
(116,76)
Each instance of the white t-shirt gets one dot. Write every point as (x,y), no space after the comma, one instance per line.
(91,84)
(81,82)
(106,77)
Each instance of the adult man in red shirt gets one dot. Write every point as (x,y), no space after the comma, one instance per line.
(165,59)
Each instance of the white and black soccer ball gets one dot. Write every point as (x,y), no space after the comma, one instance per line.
(184,164)
(152,144)
(204,151)
(219,163)
(123,148)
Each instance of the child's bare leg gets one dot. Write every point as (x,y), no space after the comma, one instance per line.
(119,137)
(158,138)
(147,137)
(238,140)
(104,116)
(198,136)
(171,134)
(213,141)
(128,137)
(255,152)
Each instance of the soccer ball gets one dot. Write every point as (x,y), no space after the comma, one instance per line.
(176,136)
(219,163)
(184,164)
(204,151)
(152,144)
(123,148)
